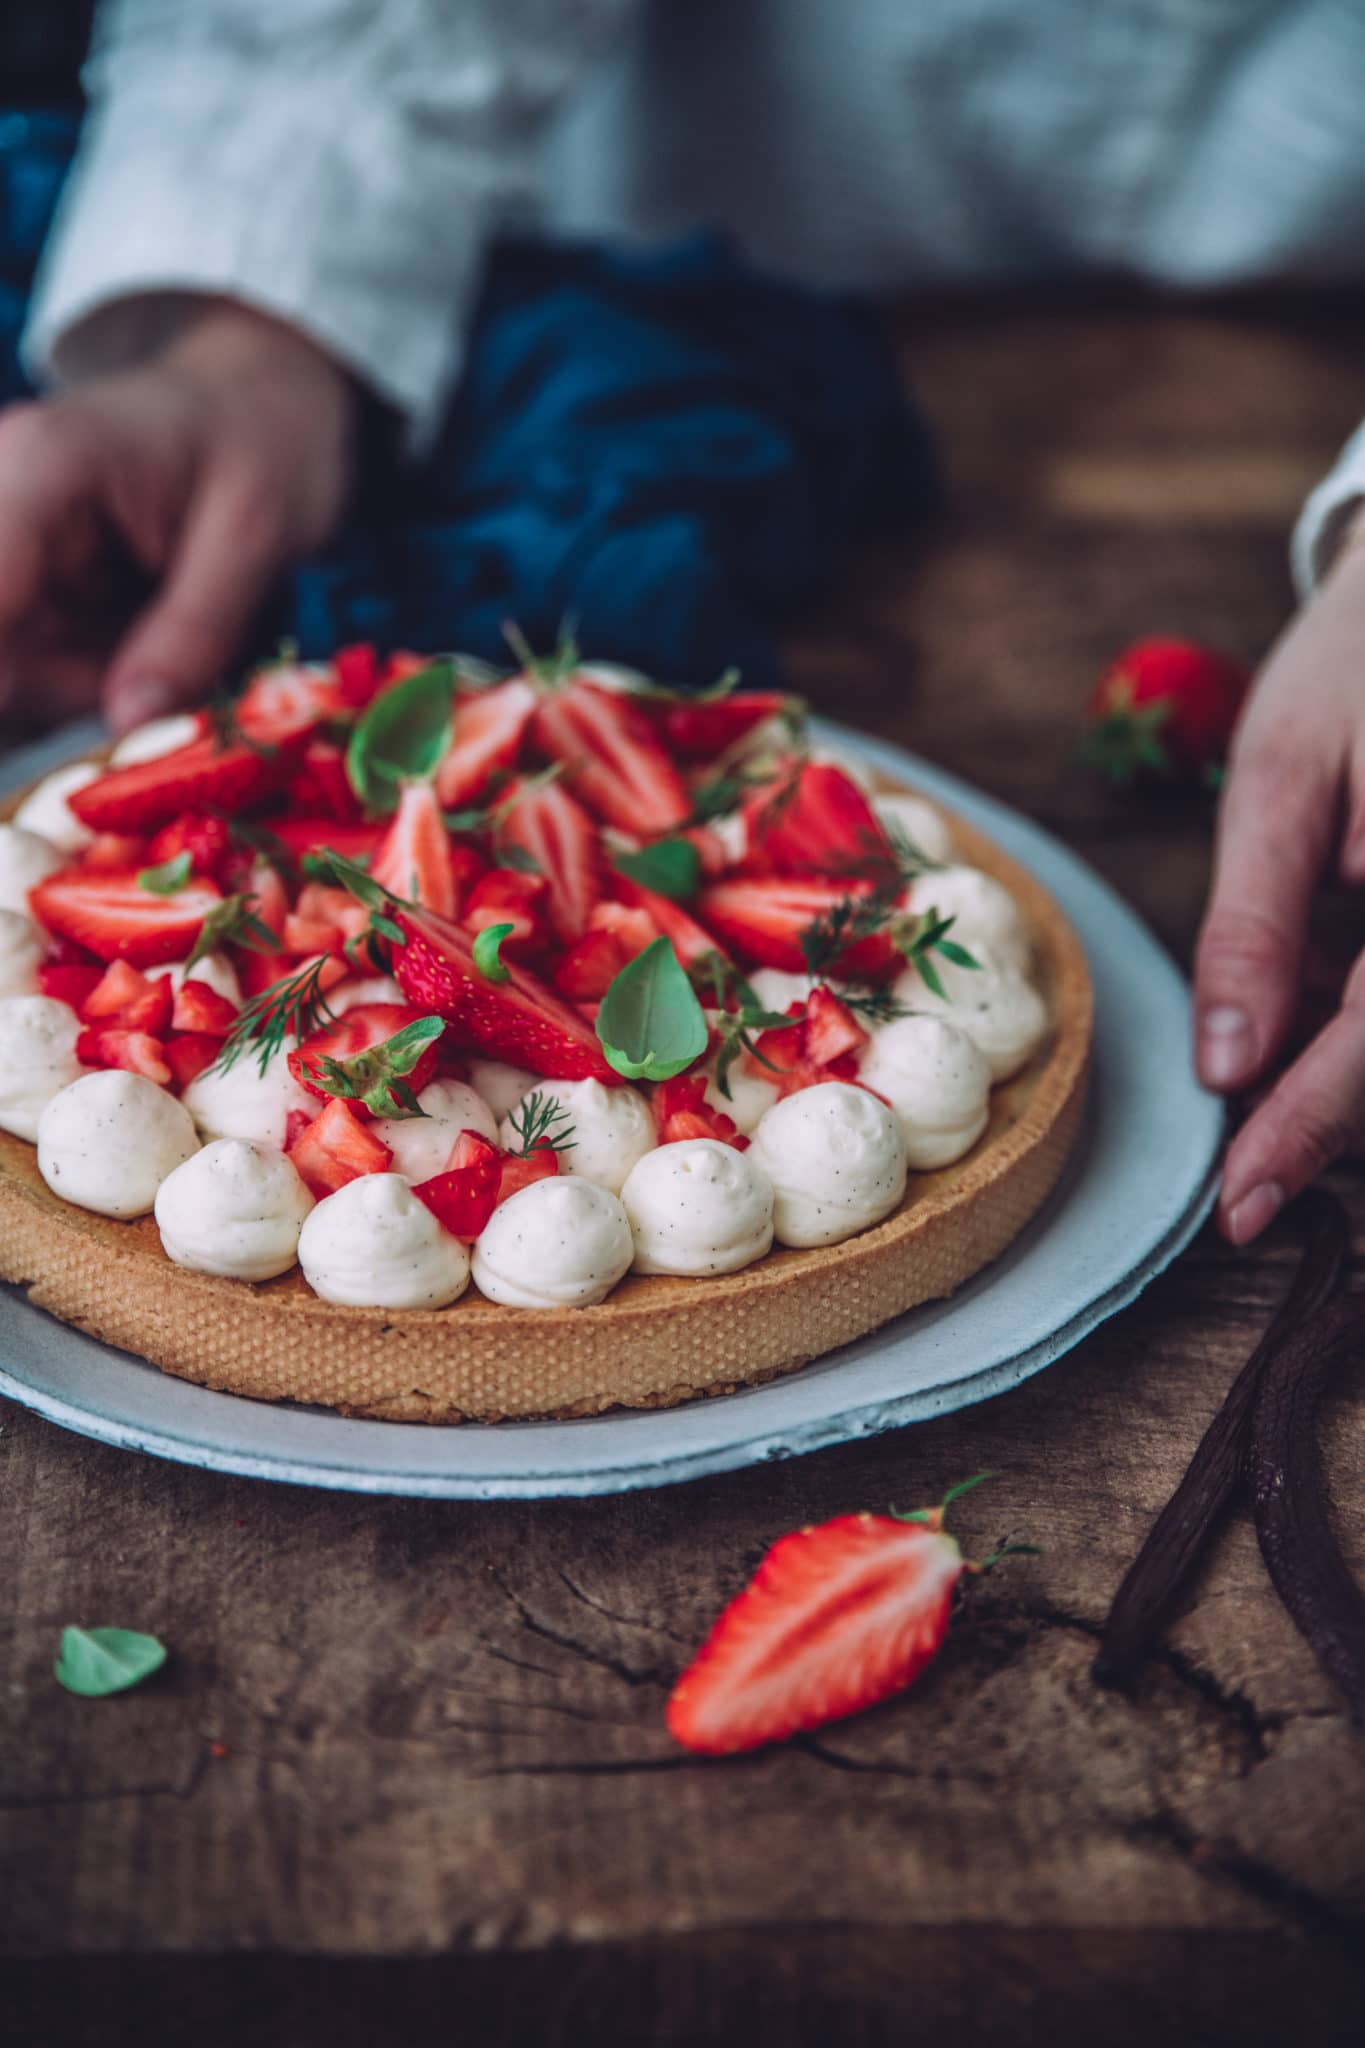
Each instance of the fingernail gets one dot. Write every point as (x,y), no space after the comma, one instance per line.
(1226,1047)
(1255,1211)
(139,702)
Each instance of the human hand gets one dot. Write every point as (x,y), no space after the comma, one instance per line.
(1293,813)
(144,515)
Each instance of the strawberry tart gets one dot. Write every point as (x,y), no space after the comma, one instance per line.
(439,1045)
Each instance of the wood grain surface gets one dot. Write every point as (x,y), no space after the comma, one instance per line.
(406,1778)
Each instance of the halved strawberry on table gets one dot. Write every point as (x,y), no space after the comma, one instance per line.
(489,726)
(548,824)
(360,1031)
(115,918)
(613,758)
(520,1020)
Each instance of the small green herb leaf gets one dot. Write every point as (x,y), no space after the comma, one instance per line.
(650,1023)
(534,1123)
(670,867)
(170,878)
(403,736)
(96,1661)
(232,921)
(487,956)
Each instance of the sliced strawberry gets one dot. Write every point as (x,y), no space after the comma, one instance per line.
(68,981)
(716,857)
(519,1169)
(119,985)
(489,728)
(358,1031)
(545,821)
(202,1009)
(270,898)
(137,1052)
(830,1029)
(204,837)
(187,1053)
(586,969)
(118,920)
(506,896)
(321,835)
(836,1619)
(321,783)
(413,857)
(813,819)
(309,934)
(761,918)
(613,758)
(464,1197)
(690,942)
(681,1111)
(201,776)
(697,731)
(634,928)
(337,1147)
(519,1020)
(283,703)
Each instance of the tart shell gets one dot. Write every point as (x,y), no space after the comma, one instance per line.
(654,1342)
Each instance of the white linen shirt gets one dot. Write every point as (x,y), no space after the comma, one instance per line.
(344,164)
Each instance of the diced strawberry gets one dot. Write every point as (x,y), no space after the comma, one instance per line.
(201,1009)
(270,898)
(358,674)
(634,928)
(489,727)
(119,985)
(697,731)
(259,971)
(68,982)
(836,1619)
(413,857)
(309,935)
(295,1124)
(201,776)
(113,850)
(335,1148)
(506,896)
(545,821)
(761,919)
(820,1044)
(284,702)
(519,1020)
(519,1169)
(690,942)
(188,1053)
(137,1052)
(467,864)
(360,1029)
(812,818)
(321,835)
(321,783)
(681,1111)
(830,1029)
(464,1197)
(204,837)
(614,759)
(118,920)
(586,969)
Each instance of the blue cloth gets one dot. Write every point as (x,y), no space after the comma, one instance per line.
(658,446)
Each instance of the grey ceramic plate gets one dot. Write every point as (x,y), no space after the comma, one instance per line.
(1138,1188)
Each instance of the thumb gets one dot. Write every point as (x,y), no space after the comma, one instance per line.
(229,553)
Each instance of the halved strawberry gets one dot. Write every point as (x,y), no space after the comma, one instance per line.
(319,835)
(464,1197)
(137,1052)
(812,818)
(690,942)
(321,784)
(681,1111)
(698,731)
(204,837)
(284,702)
(836,1619)
(337,1147)
(187,1053)
(202,1009)
(548,823)
(413,857)
(585,970)
(205,775)
(67,981)
(613,758)
(118,920)
(519,1020)
(358,1031)
(489,727)
(519,1169)
(761,918)
(506,896)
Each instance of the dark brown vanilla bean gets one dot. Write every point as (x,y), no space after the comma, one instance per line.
(1285,1472)
(1183,1527)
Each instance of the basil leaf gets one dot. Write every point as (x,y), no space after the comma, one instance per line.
(670,867)
(959,955)
(650,1023)
(487,953)
(97,1661)
(403,736)
(169,879)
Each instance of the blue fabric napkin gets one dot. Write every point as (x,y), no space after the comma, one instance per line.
(663,449)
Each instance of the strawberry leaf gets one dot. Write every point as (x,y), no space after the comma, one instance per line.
(403,736)
(670,867)
(97,1661)
(170,878)
(650,1023)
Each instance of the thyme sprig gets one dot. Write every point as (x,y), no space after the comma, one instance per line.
(918,938)
(534,1124)
(735,1027)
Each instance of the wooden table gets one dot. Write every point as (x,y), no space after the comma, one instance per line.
(400,1730)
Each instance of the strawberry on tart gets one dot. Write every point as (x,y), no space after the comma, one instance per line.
(439,1045)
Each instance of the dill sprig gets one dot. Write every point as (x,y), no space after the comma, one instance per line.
(533,1123)
(295,1007)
